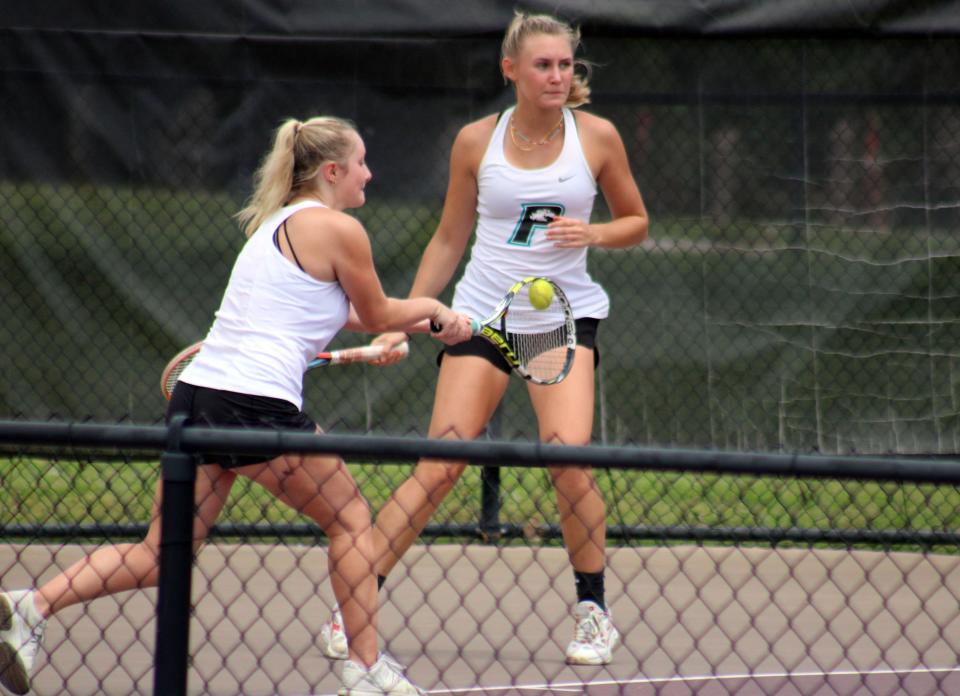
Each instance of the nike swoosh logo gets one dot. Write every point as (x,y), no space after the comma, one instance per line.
(566,178)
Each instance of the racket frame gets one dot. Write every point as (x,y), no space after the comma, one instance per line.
(493,329)
(344,356)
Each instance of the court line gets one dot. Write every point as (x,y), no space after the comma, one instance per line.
(575,687)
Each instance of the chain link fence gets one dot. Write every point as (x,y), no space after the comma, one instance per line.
(720,582)
(797,292)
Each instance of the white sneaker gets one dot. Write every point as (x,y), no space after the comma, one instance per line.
(21,632)
(385,676)
(333,640)
(594,637)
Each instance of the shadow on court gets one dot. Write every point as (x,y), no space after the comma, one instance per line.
(485,620)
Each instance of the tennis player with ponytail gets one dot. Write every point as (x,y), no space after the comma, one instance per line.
(526,179)
(305,271)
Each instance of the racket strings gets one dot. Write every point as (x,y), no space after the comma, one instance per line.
(173,376)
(539,337)
(542,355)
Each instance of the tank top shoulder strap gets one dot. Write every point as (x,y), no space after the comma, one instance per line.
(494,150)
(280,223)
(302,205)
(572,147)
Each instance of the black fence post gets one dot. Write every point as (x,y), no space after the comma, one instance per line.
(490,530)
(179,473)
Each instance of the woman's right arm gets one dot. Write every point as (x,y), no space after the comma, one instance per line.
(447,246)
(449,241)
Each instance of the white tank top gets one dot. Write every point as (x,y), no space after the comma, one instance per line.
(513,207)
(274,318)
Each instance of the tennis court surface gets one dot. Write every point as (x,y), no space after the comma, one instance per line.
(469,619)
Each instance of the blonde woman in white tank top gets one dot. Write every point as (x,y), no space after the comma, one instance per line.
(537,155)
(305,272)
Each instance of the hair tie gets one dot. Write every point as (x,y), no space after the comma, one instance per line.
(296,128)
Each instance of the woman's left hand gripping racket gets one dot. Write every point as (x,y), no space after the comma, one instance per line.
(171,373)
(534,330)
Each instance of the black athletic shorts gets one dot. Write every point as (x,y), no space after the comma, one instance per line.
(587,329)
(218,408)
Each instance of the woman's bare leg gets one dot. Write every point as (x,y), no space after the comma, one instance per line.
(565,416)
(122,567)
(322,488)
(468,391)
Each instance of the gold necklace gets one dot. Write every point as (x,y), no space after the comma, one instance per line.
(516,135)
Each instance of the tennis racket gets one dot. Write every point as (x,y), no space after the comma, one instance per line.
(178,363)
(537,338)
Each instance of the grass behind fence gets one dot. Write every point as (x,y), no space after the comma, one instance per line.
(41,492)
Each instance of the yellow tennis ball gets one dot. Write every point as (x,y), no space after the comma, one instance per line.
(541,294)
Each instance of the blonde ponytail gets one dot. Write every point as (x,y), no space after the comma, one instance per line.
(299,150)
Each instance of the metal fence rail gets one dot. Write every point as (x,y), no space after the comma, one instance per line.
(865,555)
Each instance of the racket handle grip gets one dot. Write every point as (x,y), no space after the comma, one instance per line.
(474,326)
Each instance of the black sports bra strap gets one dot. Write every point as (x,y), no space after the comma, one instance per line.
(286,234)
